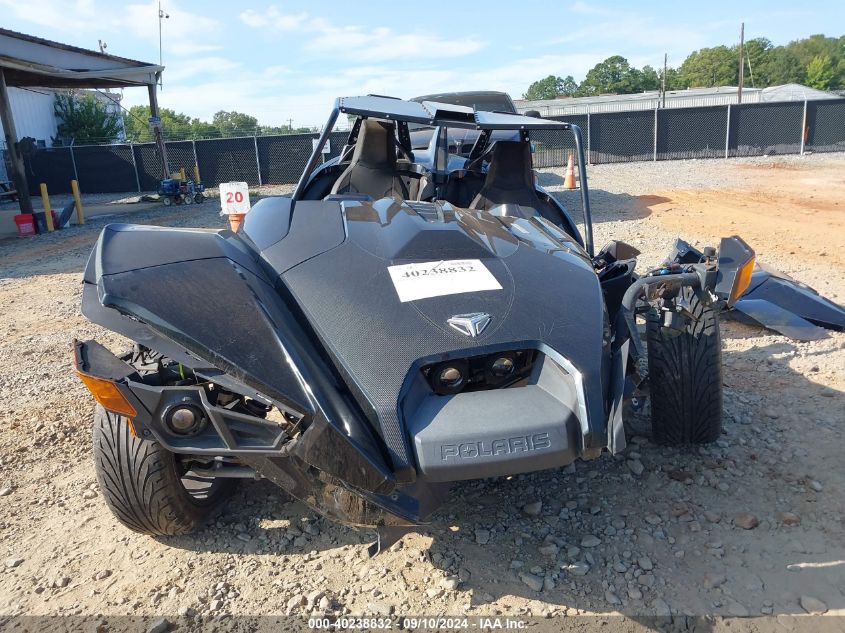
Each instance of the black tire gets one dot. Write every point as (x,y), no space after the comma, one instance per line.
(142,485)
(685,378)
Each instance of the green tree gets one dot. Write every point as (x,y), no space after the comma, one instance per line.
(175,126)
(820,72)
(269,130)
(202,129)
(808,49)
(569,87)
(756,53)
(550,88)
(814,46)
(85,119)
(613,75)
(708,67)
(649,79)
(234,123)
(673,79)
(780,66)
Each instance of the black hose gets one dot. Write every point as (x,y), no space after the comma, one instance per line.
(629,299)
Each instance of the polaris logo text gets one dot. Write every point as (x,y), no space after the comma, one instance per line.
(504,446)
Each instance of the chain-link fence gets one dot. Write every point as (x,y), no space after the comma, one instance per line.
(552,148)
(765,128)
(282,158)
(691,133)
(719,131)
(53,166)
(825,127)
(105,169)
(617,137)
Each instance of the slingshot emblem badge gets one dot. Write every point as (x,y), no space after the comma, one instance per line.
(470,324)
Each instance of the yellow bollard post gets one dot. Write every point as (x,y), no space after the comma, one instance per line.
(182,173)
(80,216)
(48,212)
(197,173)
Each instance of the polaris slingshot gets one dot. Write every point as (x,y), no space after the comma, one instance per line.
(405,320)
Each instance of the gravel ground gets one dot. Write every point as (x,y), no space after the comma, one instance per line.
(750,525)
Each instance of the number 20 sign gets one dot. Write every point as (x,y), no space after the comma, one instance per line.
(234,197)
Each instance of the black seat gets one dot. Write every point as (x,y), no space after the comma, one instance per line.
(510,181)
(373,167)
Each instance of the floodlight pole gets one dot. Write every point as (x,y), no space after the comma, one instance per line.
(11,134)
(741,64)
(161,16)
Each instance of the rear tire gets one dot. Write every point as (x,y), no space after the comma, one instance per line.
(142,484)
(685,377)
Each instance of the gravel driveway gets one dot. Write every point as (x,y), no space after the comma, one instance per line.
(750,525)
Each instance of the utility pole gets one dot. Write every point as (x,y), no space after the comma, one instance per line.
(290,125)
(665,64)
(741,64)
(155,122)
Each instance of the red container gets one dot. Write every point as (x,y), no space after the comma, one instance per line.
(26,224)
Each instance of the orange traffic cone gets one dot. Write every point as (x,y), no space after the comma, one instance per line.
(569,179)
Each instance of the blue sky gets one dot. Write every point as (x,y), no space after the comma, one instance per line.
(289,59)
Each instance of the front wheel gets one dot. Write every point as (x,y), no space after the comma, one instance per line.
(685,376)
(145,485)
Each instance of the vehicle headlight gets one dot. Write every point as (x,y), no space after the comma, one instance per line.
(502,367)
(450,377)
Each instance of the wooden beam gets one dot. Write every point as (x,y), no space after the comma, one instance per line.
(18,172)
(162,148)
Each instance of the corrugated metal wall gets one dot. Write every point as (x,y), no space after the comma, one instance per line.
(32,111)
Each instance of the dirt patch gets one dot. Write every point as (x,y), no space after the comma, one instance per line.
(797,210)
(650,531)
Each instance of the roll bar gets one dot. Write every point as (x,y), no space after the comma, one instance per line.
(496,121)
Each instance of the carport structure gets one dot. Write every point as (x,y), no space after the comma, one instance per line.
(28,61)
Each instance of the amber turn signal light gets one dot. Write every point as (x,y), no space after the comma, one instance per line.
(107,394)
(742,280)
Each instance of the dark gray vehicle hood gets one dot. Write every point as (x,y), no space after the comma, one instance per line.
(550,298)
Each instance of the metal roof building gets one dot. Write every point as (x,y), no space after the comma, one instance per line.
(691,97)
(29,61)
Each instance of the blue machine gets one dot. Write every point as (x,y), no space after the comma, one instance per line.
(175,191)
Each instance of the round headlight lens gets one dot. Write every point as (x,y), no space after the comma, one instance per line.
(502,367)
(450,377)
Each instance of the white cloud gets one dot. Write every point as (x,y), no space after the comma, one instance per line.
(274,19)
(275,95)
(183,33)
(382,43)
(358,43)
(189,69)
(77,15)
